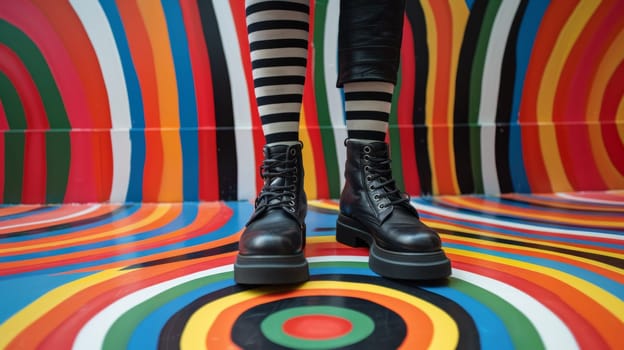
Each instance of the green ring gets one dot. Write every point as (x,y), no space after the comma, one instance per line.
(272,328)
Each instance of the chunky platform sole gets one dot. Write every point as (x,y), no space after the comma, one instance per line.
(392,264)
(271,269)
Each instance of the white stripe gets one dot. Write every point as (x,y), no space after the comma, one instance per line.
(90,209)
(334,95)
(279,127)
(273,34)
(367,124)
(101,37)
(122,151)
(489,93)
(242,110)
(92,335)
(576,198)
(367,86)
(272,15)
(553,332)
(271,90)
(279,53)
(274,71)
(279,108)
(368,105)
(536,228)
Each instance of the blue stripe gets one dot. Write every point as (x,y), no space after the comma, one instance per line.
(18,293)
(526,37)
(137,136)
(186,98)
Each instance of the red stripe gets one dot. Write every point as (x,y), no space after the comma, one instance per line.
(571,99)
(555,17)
(141,51)
(202,76)
(34,182)
(92,164)
(612,97)
(4,121)
(405,110)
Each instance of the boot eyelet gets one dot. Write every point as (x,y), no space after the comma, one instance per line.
(376,197)
(292,152)
(366,157)
(367,168)
(291,203)
(367,149)
(369,178)
(371,187)
(381,206)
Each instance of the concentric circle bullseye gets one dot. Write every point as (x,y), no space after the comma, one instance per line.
(317,327)
(313,333)
(319,322)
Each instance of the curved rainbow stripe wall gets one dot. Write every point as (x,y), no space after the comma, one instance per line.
(152,100)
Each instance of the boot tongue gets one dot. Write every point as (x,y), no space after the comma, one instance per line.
(277,153)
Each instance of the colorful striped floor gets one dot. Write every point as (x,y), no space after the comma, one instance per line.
(529,272)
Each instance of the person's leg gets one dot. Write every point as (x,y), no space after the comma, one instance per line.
(271,246)
(373,211)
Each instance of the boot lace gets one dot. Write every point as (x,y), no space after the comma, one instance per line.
(379,174)
(278,194)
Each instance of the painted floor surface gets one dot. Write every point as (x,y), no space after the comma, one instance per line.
(529,272)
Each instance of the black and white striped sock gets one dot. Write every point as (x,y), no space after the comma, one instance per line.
(278,41)
(367,107)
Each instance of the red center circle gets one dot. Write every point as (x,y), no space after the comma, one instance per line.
(317,327)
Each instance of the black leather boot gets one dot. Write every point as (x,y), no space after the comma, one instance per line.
(270,250)
(374,212)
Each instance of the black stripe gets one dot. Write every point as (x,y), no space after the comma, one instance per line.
(226,142)
(368,95)
(279,24)
(279,117)
(228,248)
(366,135)
(367,115)
(276,99)
(505,103)
(461,129)
(279,62)
(276,5)
(278,44)
(68,225)
(615,262)
(416,17)
(280,80)
(282,137)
